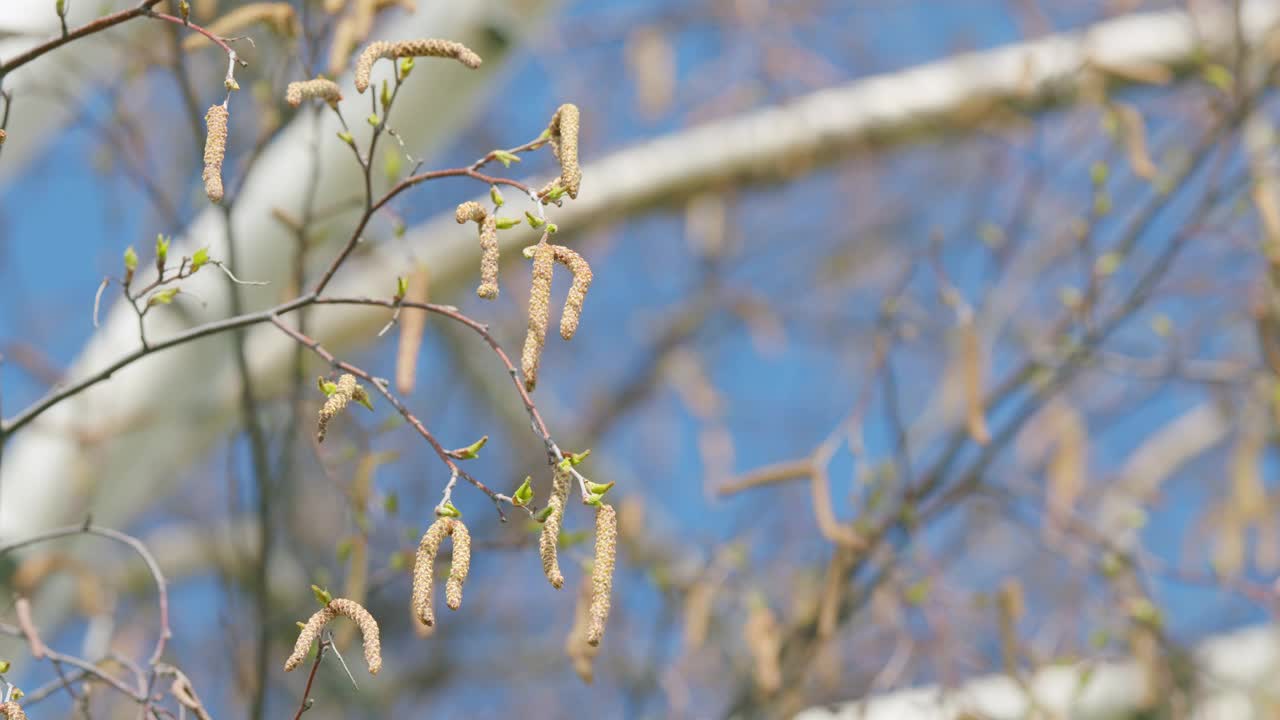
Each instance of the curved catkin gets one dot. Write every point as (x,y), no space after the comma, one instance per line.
(602,571)
(459,566)
(489,255)
(563,133)
(550,538)
(424,567)
(544,260)
(2,136)
(12,711)
(428,47)
(577,292)
(339,607)
(280,16)
(317,89)
(215,150)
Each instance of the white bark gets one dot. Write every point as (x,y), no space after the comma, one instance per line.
(172,406)
(1236,680)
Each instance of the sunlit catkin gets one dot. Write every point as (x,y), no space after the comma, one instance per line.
(563,133)
(215,149)
(602,571)
(459,566)
(550,539)
(489,257)
(413,325)
(12,711)
(577,292)
(2,136)
(346,391)
(424,568)
(279,16)
(544,260)
(317,89)
(345,608)
(429,47)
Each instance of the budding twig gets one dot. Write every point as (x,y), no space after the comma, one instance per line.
(339,607)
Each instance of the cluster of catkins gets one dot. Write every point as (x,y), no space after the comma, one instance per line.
(281,16)
(562,135)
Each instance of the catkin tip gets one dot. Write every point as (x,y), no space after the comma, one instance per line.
(215,150)
(2,136)
(12,711)
(602,572)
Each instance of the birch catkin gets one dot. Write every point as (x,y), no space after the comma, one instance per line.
(602,571)
(317,89)
(413,324)
(429,47)
(2,136)
(459,566)
(345,608)
(346,391)
(12,711)
(489,256)
(576,646)
(563,134)
(577,292)
(215,149)
(280,16)
(550,539)
(424,568)
(544,259)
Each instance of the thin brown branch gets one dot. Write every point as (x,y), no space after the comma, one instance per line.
(775,474)
(95,26)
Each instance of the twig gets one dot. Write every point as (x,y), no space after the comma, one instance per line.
(325,643)
(162,594)
(85,30)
